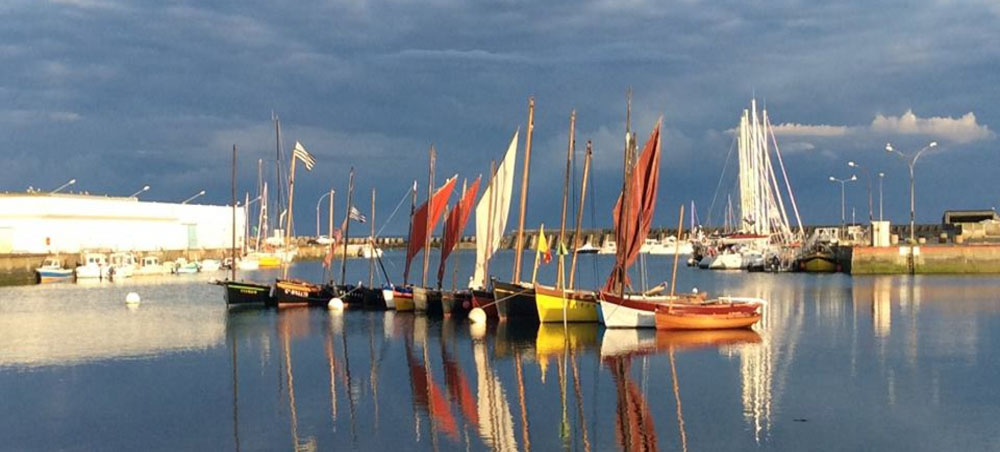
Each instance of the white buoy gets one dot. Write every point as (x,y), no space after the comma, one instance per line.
(477,330)
(132,298)
(335,304)
(477,315)
(695,290)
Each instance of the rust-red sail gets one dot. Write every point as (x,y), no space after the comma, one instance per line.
(631,230)
(419,230)
(455,224)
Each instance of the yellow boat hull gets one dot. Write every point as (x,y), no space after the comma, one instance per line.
(552,303)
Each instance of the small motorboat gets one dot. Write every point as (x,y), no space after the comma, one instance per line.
(150,265)
(587,248)
(239,293)
(122,265)
(95,266)
(183,267)
(210,265)
(52,270)
(718,314)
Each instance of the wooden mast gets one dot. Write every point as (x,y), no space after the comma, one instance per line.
(371,244)
(409,235)
(519,245)
(427,225)
(565,199)
(489,226)
(347,226)
(329,226)
(626,203)
(579,215)
(233,251)
(677,246)
(288,227)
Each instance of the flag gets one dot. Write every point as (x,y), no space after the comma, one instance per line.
(302,154)
(337,235)
(356,215)
(543,246)
(563,251)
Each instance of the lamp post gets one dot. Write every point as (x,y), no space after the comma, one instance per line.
(880,177)
(191,198)
(911,161)
(144,188)
(67,184)
(330,193)
(868,177)
(842,182)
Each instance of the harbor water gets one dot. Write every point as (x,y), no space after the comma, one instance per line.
(837,363)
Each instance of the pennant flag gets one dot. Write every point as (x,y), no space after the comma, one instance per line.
(302,154)
(337,235)
(543,246)
(563,251)
(356,215)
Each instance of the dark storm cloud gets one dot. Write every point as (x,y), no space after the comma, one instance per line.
(122,94)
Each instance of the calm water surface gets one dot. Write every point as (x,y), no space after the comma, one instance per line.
(838,363)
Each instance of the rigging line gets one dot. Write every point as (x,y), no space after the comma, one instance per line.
(593,225)
(708,221)
(387,220)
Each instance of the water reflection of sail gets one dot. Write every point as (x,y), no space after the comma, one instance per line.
(496,425)
(458,385)
(763,367)
(635,428)
(427,395)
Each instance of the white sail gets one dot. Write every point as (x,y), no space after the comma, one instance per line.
(494,205)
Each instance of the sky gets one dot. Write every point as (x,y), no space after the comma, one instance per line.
(120,94)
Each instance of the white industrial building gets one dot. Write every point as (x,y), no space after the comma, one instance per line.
(71,223)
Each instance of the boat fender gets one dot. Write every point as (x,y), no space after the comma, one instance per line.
(132,298)
(477,315)
(336,304)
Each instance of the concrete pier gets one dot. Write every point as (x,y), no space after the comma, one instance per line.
(926,259)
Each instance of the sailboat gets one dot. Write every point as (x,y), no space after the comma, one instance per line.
(517,298)
(562,303)
(455,302)
(491,220)
(242,292)
(295,291)
(424,220)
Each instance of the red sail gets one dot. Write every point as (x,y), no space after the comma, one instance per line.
(455,224)
(419,231)
(631,232)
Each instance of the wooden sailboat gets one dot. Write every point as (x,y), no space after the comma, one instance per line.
(424,220)
(491,220)
(456,302)
(516,298)
(242,292)
(561,303)
(296,291)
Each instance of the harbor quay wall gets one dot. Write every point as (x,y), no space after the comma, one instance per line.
(20,268)
(926,259)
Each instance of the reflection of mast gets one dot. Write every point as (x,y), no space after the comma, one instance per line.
(520,396)
(677,398)
(496,425)
(236,400)
(331,362)
(311,443)
(579,403)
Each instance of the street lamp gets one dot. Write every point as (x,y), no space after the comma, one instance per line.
(880,177)
(144,188)
(330,193)
(67,184)
(195,196)
(842,182)
(868,177)
(911,161)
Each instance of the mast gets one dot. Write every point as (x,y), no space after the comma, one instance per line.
(288,228)
(680,227)
(626,195)
(565,199)
(347,225)
(260,198)
(409,235)
(246,224)
(233,253)
(579,214)
(329,227)
(427,230)
(371,244)
(277,158)
(489,227)
(519,245)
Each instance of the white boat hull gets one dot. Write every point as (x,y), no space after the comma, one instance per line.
(727,262)
(618,316)
(91,272)
(390,301)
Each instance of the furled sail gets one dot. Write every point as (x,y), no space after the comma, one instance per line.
(419,230)
(455,224)
(632,225)
(491,213)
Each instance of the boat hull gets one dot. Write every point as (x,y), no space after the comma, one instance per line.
(727,262)
(427,301)
(639,311)
(556,305)
(240,293)
(483,299)
(403,299)
(817,263)
(51,275)
(456,304)
(516,301)
(295,292)
(707,317)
